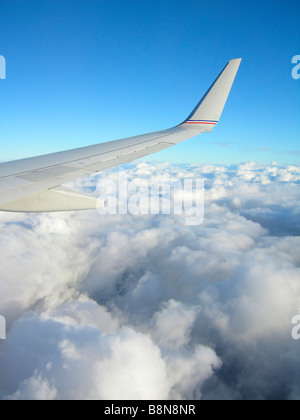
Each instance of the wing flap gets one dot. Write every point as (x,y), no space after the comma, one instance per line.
(128,157)
(60,199)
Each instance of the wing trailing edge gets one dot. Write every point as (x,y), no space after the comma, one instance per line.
(54,200)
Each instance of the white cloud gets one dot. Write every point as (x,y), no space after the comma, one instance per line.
(146,307)
(173,323)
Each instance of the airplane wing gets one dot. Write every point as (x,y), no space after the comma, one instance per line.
(34,184)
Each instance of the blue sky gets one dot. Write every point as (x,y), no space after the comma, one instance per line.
(83,72)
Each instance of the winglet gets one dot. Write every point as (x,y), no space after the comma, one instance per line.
(53,200)
(208,111)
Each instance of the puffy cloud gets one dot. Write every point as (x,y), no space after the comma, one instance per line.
(130,307)
(53,359)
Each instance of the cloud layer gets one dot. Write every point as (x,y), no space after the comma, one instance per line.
(145,307)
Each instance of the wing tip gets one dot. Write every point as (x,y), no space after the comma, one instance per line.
(235,59)
(208,111)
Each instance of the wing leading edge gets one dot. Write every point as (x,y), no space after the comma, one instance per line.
(34,184)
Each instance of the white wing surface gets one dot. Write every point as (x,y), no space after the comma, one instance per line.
(34,184)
